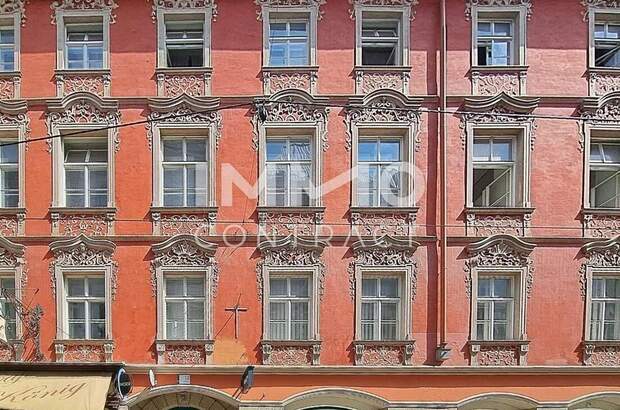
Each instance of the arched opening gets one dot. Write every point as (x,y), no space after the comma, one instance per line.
(334,399)
(602,401)
(177,397)
(498,402)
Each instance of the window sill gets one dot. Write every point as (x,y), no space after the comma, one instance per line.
(291,352)
(499,211)
(382,68)
(170,221)
(495,68)
(84,350)
(498,352)
(175,81)
(184,352)
(498,221)
(379,221)
(371,78)
(384,353)
(290,220)
(87,221)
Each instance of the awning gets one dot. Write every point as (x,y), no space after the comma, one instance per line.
(53,391)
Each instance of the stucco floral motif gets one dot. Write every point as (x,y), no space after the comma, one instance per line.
(180,354)
(497,115)
(287,355)
(184,4)
(601,226)
(601,354)
(496,83)
(14,6)
(498,356)
(369,81)
(7,353)
(599,254)
(604,83)
(7,88)
(383,354)
(8,225)
(73,225)
(300,223)
(278,81)
(93,83)
(487,225)
(289,3)
(84,5)
(83,112)
(384,223)
(83,353)
(384,3)
(174,84)
(177,224)
(469,4)
(597,4)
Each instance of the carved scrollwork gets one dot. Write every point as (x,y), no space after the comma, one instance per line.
(93,224)
(11,254)
(14,6)
(83,352)
(383,107)
(599,111)
(493,83)
(602,83)
(384,354)
(289,3)
(279,80)
(470,4)
(369,80)
(9,86)
(184,352)
(408,4)
(601,226)
(174,83)
(389,222)
(588,4)
(15,114)
(601,354)
(498,353)
(290,353)
(184,4)
(599,254)
(294,252)
(97,83)
(298,222)
(185,110)
(86,5)
(292,106)
(493,224)
(171,224)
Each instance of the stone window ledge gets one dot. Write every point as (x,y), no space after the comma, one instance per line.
(603,80)
(168,221)
(291,352)
(277,79)
(12,221)
(193,81)
(10,84)
(384,353)
(393,221)
(371,78)
(600,222)
(87,221)
(498,352)
(601,352)
(493,80)
(285,220)
(184,351)
(83,350)
(95,81)
(498,221)
(11,351)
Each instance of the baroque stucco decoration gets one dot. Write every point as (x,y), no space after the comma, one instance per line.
(14,6)
(588,4)
(291,251)
(85,5)
(502,110)
(183,4)
(83,251)
(597,111)
(289,3)
(83,108)
(384,3)
(387,107)
(500,251)
(470,4)
(187,251)
(12,257)
(291,107)
(384,252)
(185,110)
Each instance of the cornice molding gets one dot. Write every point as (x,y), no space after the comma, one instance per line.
(597,4)
(173,5)
(84,5)
(14,6)
(11,253)
(184,250)
(599,254)
(289,4)
(470,4)
(402,4)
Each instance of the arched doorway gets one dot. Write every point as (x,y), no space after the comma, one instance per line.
(175,397)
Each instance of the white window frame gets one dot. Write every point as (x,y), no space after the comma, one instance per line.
(85,167)
(58,160)
(169,271)
(406,133)
(400,13)
(310,272)
(599,15)
(10,273)
(288,300)
(292,130)
(510,39)
(14,22)
(591,274)
(518,16)
(64,272)
(599,133)
(85,300)
(521,134)
(206,12)
(289,163)
(510,166)
(307,14)
(163,131)
(519,276)
(16,134)
(403,318)
(66,17)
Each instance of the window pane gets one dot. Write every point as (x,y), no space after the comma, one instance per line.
(389,311)
(278,287)
(173,177)
(9,154)
(195,330)
(74,179)
(500,331)
(298,29)
(300,185)
(612,153)
(174,287)
(500,311)
(299,330)
(492,187)
(75,287)
(277,54)
(613,31)
(502,287)
(368,311)
(502,29)
(77,310)
(10,180)
(603,186)
(484,311)
(370,287)
(96,310)
(277,30)
(502,150)
(195,311)
(96,287)
(299,311)
(368,331)
(277,185)
(98,178)
(298,53)
(276,150)
(390,185)
(7,36)
(599,30)
(367,151)
(75,156)
(389,287)
(175,330)
(595,153)
(98,155)
(598,287)
(390,151)
(612,288)
(300,150)
(368,185)
(388,331)
(196,150)
(173,150)
(482,149)
(299,287)
(277,311)
(77,330)
(484,28)
(195,287)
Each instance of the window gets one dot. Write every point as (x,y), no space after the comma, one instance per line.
(184,307)
(84,46)
(184,43)
(605,309)
(495,42)
(380,315)
(86,174)
(606,44)
(381,43)
(493,172)
(85,306)
(7,48)
(9,180)
(289,308)
(288,43)
(496,308)
(604,175)
(7,309)
(289,171)
(379,172)
(185,172)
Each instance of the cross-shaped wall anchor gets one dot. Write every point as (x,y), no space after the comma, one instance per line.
(237,309)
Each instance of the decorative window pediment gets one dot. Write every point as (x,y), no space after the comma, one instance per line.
(14,7)
(13,269)
(405,4)
(84,5)
(526,4)
(176,5)
(289,4)
(500,251)
(599,255)
(602,110)
(184,251)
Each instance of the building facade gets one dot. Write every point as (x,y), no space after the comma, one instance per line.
(376,203)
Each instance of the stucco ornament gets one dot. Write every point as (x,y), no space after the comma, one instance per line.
(184,4)
(589,4)
(499,251)
(291,251)
(290,353)
(14,6)
(85,5)
(289,3)
(185,110)
(595,111)
(291,107)
(470,4)
(15,114)
(599,254)
(185,251)
(388,107)
(384,3)
(12,258)
(83,251)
